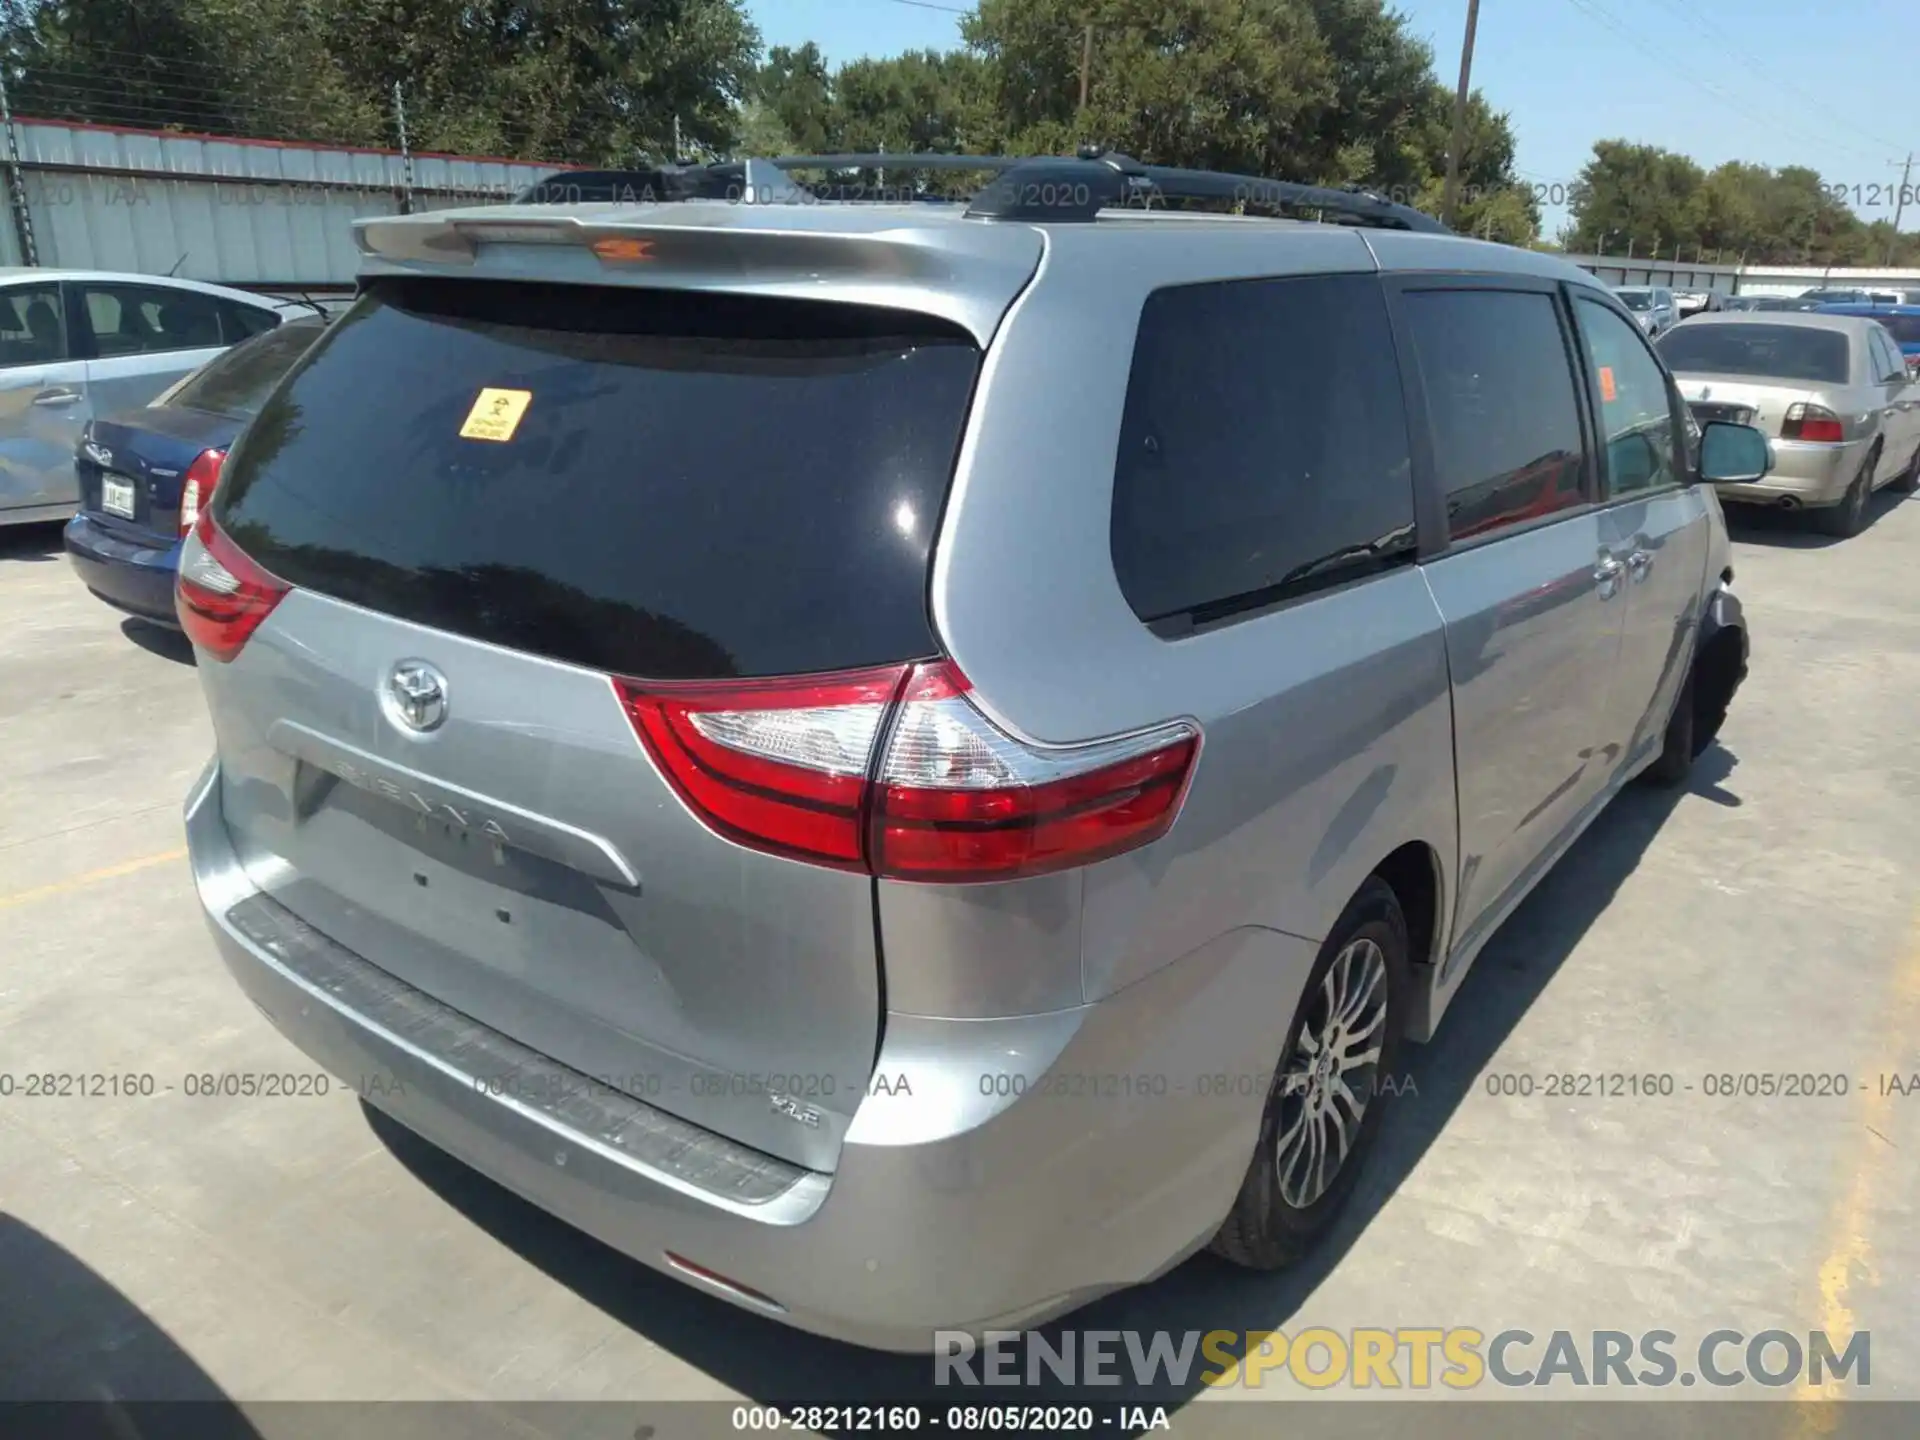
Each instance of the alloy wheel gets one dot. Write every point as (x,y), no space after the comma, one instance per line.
(1330,1075)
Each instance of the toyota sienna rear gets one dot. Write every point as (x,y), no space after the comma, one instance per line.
(900,765)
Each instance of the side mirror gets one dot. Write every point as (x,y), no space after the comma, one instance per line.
(1733,454)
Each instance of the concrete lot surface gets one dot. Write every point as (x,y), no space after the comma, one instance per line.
(1763,921)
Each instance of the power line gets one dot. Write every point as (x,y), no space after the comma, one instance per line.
(1773,77)
(1601,16)
(926,5)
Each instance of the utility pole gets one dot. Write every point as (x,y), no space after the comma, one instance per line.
(1460,116)
(1899,206)
(1086,64)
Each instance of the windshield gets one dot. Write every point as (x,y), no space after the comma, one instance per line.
(238,382)
(1636,299)
(1781,352)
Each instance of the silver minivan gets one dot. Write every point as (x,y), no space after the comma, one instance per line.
(79,343)
(913,766)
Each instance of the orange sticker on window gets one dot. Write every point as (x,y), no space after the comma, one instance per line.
(496,414)
(1607,390)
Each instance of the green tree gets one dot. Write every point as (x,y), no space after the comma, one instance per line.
(1640,194)
(588,81)
(795,90)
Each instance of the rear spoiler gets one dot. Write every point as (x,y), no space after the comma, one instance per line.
(966,274)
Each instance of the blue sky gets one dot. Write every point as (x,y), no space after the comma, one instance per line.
(1831,84)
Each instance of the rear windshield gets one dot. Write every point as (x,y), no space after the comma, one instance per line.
(239,381)
(1635,299)
(1784,352)
(656,483)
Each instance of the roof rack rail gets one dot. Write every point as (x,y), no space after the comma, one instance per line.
(1051,188)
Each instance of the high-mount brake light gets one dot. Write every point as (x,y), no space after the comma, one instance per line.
(221,596)
(895,772)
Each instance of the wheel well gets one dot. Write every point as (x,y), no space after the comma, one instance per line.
(1414,873)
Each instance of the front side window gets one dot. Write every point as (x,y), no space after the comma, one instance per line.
(1636,413)
(1263,450)
(1501,400)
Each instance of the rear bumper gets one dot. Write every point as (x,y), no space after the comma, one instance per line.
(1806,473)
(997,1173)
(128,575)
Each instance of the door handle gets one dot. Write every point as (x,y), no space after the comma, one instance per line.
(1606,577)
(56,397)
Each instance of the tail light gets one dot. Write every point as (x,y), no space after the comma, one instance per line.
(221,596)
(196,491)
(896,772)
(1811,422)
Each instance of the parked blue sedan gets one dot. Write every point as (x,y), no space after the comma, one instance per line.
(146,474)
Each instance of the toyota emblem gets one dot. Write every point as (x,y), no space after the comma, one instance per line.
(415,697)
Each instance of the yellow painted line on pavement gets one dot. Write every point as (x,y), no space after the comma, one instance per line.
(92,877)
(1849,1258)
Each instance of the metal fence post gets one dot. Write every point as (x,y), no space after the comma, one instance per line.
(16,188)
(406,151)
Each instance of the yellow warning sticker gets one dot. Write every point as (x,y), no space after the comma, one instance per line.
(1608,391)
(496,414)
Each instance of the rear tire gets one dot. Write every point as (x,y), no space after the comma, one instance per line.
(1329,1063)
(1843,521)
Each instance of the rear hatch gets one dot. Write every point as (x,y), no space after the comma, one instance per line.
(518,491)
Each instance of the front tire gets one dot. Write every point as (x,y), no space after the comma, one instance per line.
(1675,760)
(1324,1109)
(1908,480)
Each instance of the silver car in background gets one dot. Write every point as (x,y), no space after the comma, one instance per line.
(1653,306)
(79,343)
(1832,393)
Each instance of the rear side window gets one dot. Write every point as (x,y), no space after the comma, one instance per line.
(1501,400)
(240,322)
(678,485)
(1782,352)
(1263,452)
(151,319)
